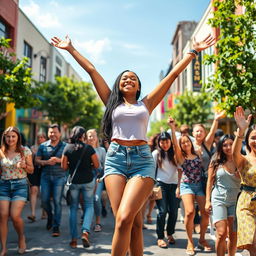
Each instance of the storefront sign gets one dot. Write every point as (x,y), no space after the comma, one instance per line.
(197,73)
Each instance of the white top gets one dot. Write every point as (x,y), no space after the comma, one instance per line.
(130,122)
(168,173)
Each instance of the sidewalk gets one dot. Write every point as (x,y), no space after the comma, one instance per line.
(41,243)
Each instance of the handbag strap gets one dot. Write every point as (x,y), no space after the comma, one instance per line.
(77,165)
(156,165)
(54,153)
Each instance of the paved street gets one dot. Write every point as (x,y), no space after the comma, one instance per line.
(40,242)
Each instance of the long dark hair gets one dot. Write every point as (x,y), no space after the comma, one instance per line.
(76,134)
(219,156)
(161,152)
(252,127)
(192,146)
(115,99)
(4,145)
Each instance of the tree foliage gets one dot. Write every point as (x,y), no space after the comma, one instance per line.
(191,108)
(15,79)
(234,80)
(72,103)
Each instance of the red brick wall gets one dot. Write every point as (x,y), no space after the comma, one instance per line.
(9,15)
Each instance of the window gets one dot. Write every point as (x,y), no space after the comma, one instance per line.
(58,60)
(58,72)
(4,30)
(28,53)
(42,76)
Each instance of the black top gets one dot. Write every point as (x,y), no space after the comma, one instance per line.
(84,172)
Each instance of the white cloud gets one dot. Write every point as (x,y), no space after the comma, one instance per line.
(39,17)
(96,49)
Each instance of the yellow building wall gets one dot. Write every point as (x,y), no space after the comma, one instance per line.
(10,119)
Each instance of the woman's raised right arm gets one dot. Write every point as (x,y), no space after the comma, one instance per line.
(242,124)
(98,81)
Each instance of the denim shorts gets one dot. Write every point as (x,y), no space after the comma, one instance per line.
(191,188)
(130,161)
(223,204)
(14,190)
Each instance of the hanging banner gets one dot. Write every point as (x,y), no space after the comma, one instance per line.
(197,73)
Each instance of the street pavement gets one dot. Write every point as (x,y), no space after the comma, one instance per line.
(41,243)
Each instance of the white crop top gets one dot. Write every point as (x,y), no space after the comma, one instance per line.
(130,122)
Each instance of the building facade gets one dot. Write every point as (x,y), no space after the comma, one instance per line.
(8,29)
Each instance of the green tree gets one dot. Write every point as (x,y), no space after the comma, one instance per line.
(15,80)
(158,126)
(72,103)
(234,80)
(191,108)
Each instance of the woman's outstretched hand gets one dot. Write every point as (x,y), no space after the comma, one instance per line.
(205,43)
(241,121)
(62,44)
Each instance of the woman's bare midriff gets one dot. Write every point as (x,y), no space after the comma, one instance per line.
(129,142)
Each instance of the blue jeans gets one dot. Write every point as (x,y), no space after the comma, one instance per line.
(87,190)
(168,204)
(52,186)
(97,198)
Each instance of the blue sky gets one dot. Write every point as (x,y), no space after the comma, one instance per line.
(116,35)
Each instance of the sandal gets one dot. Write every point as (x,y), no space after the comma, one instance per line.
(190,251)
(149,219)
(97,228)
(171,240)
(162,244)
(204,246)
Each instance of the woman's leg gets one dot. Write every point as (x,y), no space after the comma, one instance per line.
(162,206)
(88,196)
(136,243)
(4,215)
(221,230)
(126,200)
(74,194)
(232,237)
(204,217)
(189,208)
(172,210)
(15,213)
(33,198)
(97,201)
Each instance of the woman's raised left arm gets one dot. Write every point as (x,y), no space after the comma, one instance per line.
(154,98)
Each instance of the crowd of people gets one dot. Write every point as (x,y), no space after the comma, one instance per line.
(183,167)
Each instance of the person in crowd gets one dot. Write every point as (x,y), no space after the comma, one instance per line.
(148,207)
(203,143)
(129,167)
(190,189)
(53,177)
(218,134)
(92,139)
(246,165)
(223,186)
(15,163)
(167,179)
(83,182)
(34,178)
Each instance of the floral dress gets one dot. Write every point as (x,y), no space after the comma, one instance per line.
(9,170)
(246,208)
